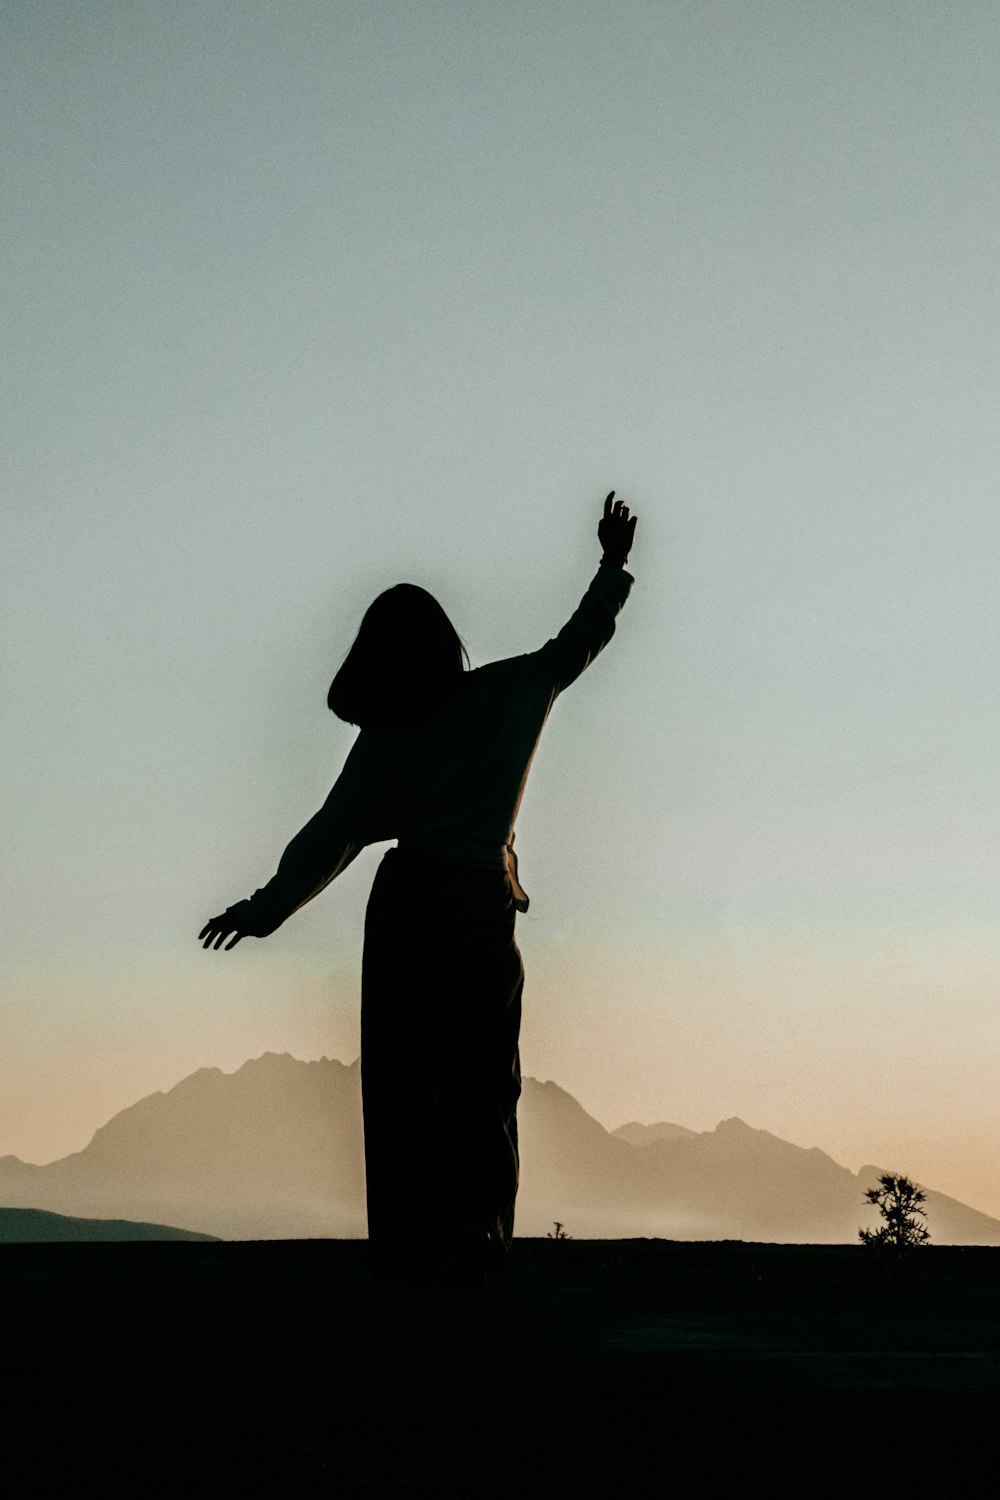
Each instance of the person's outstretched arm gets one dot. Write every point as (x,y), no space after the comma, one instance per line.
(592,624)
(317,854)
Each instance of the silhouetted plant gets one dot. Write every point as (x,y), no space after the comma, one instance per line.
(560,1233)
(898,1201)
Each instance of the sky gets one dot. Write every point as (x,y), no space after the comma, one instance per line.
(305,299)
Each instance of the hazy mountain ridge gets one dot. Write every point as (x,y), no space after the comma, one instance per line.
(34,1226)
(644,1135)
(275,1150)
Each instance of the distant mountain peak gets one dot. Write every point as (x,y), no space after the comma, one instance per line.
(285,1061)
(636,1134)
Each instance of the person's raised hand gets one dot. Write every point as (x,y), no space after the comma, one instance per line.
(218,929)
(616,530)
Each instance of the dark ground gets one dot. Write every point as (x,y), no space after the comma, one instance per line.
(590,1368)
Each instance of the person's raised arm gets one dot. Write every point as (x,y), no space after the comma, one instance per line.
(592,624)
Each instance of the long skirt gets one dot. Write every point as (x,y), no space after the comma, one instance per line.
(440,1070)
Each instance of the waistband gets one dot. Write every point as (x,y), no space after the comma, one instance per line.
(415,854)
(415,857)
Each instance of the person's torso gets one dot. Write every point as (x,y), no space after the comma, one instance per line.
(456,781)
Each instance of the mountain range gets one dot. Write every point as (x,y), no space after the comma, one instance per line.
(275,1151)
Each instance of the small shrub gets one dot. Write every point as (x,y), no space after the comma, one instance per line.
(560,1233)
(898,1201)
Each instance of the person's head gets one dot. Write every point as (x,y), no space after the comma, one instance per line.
(405,664)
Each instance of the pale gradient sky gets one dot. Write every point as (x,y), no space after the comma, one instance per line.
(303,299)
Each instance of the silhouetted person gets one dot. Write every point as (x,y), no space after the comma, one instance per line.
(440,765)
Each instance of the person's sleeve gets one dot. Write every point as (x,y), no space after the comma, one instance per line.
(587,631)
(322,850)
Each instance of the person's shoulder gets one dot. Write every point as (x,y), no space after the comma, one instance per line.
(494,676)
(503,667)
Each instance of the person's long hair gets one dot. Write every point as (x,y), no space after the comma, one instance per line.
(405,665)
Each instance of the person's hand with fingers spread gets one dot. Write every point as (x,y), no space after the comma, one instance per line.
(615,532)
(218,929)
